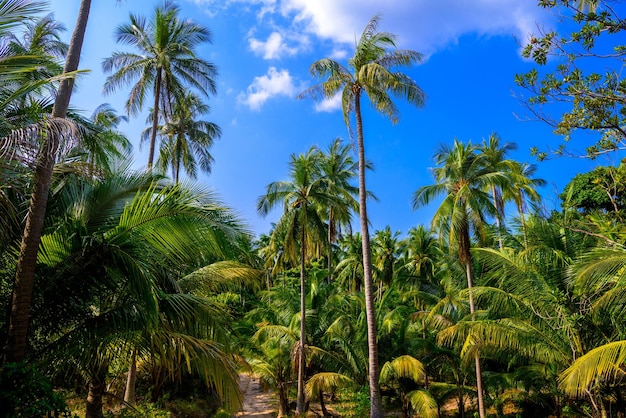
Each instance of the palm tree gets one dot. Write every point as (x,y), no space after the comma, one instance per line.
(350,268)
(303,227)
(495,155)
(274,341)
(101,144)
(339,168)
(462,176)
(27,260)
(130,238)
(385,253)
(40,36)
(420,252)
(164,63)
(408,367)
(188,138)
(371,73)
(524,189)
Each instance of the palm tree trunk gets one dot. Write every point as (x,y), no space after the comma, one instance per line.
(131,381)
(300,406)
(331,221)
(94,399)
(497,205)
(323,404)
(376,410)
(479,377)
(155,116)
(283,400)
(520,209)
(25,275)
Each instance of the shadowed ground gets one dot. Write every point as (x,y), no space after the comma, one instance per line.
(256,403)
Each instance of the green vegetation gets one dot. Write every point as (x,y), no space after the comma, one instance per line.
(137,295)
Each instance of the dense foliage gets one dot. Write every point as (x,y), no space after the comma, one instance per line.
(150,290)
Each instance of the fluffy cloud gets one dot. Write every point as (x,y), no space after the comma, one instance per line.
(273,48)
(274,83)
(329,105)
(423,25)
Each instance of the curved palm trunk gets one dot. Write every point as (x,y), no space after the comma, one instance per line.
(376,410)
(300,405)
(466,257)
(331,228)
(25,275)
(520,209)
(498,204)
(155,116)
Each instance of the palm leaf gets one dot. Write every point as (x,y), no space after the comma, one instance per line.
(327,382)
(604,362)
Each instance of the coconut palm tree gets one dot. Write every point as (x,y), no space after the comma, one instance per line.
(371,72)
(164,63)
(188,140)
(597,279)
(408,367)
(385,254)
(101,145)
(339,168)
(271,354)
(524,190)
(531,301)
(27,260)
(42,36)
(495,155)
(420,252)
(349,270)
(130,238)
(303,226)
(462,176)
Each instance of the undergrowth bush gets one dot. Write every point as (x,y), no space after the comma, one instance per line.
(26,393)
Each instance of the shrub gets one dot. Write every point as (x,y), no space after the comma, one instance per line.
(24,392)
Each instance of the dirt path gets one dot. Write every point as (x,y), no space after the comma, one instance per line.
(256,403)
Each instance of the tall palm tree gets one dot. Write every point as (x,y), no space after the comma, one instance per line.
(462,176)
(385,252)
(495,154)
(350,269)
(339,169)
(27,260)
(531,301)
(524,189)
(40,36)
(164,64)
(101,144)
(188,139)
(369,72)
(420,252)
(303,226)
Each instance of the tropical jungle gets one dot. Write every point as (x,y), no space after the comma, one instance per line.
(132,292)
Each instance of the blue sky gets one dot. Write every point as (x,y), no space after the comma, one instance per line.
(263,49)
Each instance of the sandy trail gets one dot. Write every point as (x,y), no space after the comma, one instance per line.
(256,403)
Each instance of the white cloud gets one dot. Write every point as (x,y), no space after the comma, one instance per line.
(422,25)
(273,48)
(274,83)
(329,105)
